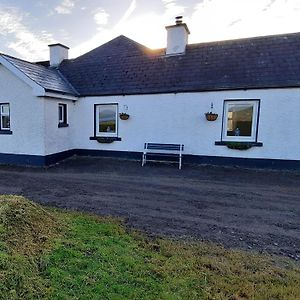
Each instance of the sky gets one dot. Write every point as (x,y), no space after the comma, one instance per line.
(27,27)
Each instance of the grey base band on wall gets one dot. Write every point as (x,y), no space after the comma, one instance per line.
(40,161)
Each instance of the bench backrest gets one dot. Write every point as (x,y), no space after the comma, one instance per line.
(166,147)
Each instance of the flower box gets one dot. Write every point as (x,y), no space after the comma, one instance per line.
(238,146)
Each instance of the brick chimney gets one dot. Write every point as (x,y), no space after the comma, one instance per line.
(58,52)
(177,37)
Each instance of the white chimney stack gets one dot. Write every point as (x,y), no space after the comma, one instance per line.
(177,37)
(58,52)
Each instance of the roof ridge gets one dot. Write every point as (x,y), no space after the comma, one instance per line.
(137,43)
(25,61)
(20,59)
(67,82)
(245,39)
(114,39)
(236,40)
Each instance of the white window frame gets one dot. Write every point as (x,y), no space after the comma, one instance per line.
(254,129)
(63,108)
(5,115)
(97,111)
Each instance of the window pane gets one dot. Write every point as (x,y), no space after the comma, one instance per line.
(60,113)
(5,122)
(5,109)
(239,120)
(107,118)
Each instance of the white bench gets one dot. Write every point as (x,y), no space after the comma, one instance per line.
(155,149)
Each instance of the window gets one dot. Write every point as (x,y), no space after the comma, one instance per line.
(106,120)
(62,115)
(240,120)
(5,116)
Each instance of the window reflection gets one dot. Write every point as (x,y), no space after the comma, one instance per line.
(107,119)
(239,120)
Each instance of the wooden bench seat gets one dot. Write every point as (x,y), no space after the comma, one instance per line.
(167,150)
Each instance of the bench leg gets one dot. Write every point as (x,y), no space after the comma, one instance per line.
(180,161)
(143,159)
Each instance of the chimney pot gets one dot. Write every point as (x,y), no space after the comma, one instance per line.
(178,20)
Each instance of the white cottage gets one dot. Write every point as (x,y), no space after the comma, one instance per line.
(52,110)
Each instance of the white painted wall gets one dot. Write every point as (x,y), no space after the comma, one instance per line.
(26,117)
(162,118)
(58,139)
(179,118)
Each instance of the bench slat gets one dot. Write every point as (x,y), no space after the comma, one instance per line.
(163,146)
(156,144)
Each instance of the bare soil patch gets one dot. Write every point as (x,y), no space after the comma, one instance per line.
(238,208)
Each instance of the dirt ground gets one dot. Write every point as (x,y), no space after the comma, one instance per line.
(238,208)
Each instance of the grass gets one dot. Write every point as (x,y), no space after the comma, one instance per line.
(49,254)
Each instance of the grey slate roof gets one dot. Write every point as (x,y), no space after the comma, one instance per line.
(50,79)
(123,66)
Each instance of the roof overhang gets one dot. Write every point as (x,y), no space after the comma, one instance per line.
(49,94)
(37,89)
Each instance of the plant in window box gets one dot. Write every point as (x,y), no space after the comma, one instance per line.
(124,116)
(210,116)
(238,145)
(105,140)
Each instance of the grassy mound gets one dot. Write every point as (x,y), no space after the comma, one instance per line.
(27,231)
(66,255)
(26,228)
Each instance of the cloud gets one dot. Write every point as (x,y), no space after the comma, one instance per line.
(25,43)
(128,12)
(208,20)
(101,17)
(172,9)
(146,28)
(219,19)
(65,7)
(105,34)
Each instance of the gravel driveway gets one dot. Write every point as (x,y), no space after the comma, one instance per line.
(238,208)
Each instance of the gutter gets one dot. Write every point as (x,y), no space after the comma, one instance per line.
(48,94)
